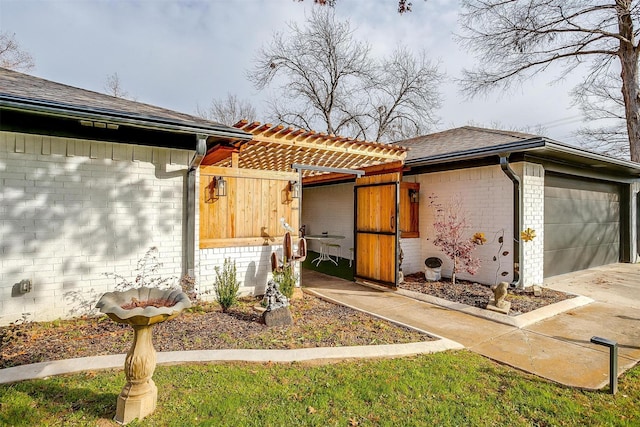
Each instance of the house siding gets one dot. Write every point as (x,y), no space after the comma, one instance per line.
(486,195)
(72,210)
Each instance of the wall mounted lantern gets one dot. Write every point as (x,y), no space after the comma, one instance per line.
(294,189)
(217,188)
(221,186)
(414,195)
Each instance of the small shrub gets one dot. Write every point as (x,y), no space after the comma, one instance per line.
(286,280)
(226,285)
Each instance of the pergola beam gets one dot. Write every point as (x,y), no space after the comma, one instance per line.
(300,167)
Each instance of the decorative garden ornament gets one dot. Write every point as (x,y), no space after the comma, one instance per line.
(141,308)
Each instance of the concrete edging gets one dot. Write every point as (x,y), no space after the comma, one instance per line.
(69,366)
(520,321)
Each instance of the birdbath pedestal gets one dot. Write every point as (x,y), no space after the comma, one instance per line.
(141,308)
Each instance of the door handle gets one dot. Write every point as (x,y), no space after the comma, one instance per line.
(393,222)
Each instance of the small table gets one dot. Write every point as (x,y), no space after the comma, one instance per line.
(324,246)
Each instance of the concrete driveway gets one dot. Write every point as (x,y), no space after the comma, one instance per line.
(615,284)
(557,348)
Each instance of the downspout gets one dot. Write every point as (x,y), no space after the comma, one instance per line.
(517,221)
(190,209)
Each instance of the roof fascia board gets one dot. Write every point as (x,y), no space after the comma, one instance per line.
(586,171)
(53,109)
(476,153)
(554,146)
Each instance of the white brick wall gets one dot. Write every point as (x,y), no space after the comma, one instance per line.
(486,194)
(532,176)
(413,261)
(253,268)
(329,208)
(71,210)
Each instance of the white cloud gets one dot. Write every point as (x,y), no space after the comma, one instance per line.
(181,54)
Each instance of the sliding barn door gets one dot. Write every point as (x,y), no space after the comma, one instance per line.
(376,229)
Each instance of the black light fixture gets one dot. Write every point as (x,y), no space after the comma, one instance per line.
(221,186)
(414,195)
(294,189)
(217,188)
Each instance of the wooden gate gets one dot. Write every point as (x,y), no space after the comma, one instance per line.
(376,229)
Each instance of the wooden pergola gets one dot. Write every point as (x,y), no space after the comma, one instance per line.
(276,147)
(259,179)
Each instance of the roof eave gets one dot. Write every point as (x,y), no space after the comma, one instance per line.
(119,118)
(540,145)
(591,156)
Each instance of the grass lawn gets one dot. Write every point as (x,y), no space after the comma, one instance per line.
(452,388)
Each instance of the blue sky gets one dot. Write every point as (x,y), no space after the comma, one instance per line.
(180,54)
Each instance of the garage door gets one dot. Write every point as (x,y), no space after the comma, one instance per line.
(581,224)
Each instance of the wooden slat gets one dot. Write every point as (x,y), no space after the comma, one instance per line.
(251,209)
(247,173)
(247,241)
(376,234)
(409,212)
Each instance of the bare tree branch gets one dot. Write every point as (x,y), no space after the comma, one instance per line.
(404,6)
(516,39)
(11,54)
(405,96)
(228,111)
(600,99)
(327,80)
(113,87)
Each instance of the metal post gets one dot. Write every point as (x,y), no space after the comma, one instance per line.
(613,361)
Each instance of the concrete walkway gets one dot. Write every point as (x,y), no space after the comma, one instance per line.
(556,347)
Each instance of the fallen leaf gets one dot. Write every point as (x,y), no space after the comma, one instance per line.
(311,410)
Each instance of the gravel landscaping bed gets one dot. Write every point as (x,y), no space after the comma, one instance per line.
(478,295)
(316,324)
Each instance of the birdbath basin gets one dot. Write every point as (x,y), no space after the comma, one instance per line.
(141,308)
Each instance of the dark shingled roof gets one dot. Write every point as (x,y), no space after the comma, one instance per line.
(31,92)
(459,140)
(469,143)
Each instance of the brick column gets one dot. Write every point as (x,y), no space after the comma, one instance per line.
(532,181)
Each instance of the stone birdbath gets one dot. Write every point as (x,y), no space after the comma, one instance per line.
(141,308)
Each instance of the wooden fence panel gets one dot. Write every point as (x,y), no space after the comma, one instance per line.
(250,213)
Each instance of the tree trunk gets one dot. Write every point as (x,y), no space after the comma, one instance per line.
(628,54)
(453,272)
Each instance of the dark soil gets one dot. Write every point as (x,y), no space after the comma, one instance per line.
(316,324)
(478,295)
(147,303)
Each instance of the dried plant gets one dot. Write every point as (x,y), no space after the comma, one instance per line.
(147,274)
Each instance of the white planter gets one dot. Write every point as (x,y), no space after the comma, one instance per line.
(432,274)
